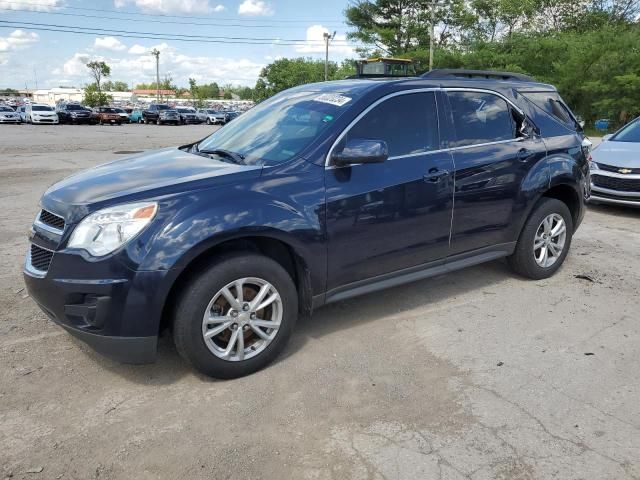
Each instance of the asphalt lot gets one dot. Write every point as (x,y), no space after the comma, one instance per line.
(474,375)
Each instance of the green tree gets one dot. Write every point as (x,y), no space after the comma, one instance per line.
(290,72)
(116,86)
(93,97)
(99,70)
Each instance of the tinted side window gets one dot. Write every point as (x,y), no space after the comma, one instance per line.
(408,123)
(552,104)
(480,118)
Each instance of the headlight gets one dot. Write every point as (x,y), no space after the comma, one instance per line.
(106,230)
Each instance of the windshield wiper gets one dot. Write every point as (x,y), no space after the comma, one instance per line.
(235,157)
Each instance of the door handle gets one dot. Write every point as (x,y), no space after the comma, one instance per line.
(524,154)
(435,175)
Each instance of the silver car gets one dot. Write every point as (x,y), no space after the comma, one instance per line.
(615,167)
(8,115)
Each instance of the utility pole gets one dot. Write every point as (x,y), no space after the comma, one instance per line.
(432,22)
(156,53)
(327,39)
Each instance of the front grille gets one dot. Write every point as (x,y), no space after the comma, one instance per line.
(615,183)
(611,168)
(40,258)
(52,219)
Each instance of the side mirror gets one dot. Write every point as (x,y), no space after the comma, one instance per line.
(607,137)
(361,151)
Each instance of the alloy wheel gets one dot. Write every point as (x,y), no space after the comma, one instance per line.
(242,319)
(549,241)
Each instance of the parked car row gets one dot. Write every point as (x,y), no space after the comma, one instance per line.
(74,113)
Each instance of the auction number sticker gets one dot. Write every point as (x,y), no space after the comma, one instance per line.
(333,99)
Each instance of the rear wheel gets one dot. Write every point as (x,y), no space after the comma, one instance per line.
(545,240)
(236,316)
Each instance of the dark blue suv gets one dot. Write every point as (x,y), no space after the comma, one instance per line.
(323,192)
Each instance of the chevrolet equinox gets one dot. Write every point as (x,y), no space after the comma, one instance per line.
(321,193)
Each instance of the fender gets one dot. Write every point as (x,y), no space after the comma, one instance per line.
(565,165)
(292,212)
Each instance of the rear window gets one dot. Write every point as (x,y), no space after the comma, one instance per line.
(552,104)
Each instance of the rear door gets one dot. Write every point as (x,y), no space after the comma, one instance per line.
(492,161)
(394,215)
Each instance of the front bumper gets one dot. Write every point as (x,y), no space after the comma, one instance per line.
(113,309)
(52,120)
(603,188)
(10,120)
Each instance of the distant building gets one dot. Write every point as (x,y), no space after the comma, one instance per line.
(57,94)
(153,93)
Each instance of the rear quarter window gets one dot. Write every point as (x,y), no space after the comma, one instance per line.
(552,104)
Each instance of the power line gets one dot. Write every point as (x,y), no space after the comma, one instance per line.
(36,4)
(143,20)
(173,36)
(5,24)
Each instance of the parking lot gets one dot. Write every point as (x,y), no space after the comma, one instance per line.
(477,374)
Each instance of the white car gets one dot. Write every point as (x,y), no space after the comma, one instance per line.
(8,115)
(40,113)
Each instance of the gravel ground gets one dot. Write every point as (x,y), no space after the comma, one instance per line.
(473,375)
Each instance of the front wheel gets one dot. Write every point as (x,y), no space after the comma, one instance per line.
(236,316)
(158,122)
(545,240)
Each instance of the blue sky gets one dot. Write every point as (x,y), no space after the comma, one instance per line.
(283,28)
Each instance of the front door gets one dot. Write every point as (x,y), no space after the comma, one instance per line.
(394,215)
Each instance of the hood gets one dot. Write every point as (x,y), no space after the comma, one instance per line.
(151,174)
(618,154)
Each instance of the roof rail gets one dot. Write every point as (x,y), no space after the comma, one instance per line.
(487,74)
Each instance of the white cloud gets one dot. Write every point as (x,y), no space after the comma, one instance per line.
(137,50)
(315,43)
(38,6)
(109,43)
(18,39)
(168,6)
(141,67)
(219,8)
(255,8)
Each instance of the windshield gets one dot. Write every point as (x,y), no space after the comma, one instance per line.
(163,107)
(185,110)
(41,108)
(629,133)
(6,109)
(75,107)
(108,110)
(280,128)
(119,110)
(211,111)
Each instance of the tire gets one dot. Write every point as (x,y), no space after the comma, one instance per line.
(525,260)
(208,122)
(197,297)
(158,122)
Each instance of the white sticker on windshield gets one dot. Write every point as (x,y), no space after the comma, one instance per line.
(333,99)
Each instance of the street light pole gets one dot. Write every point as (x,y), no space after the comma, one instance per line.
(327,39)
(156,53)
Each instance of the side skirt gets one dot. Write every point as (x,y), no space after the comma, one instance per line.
(413,274)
